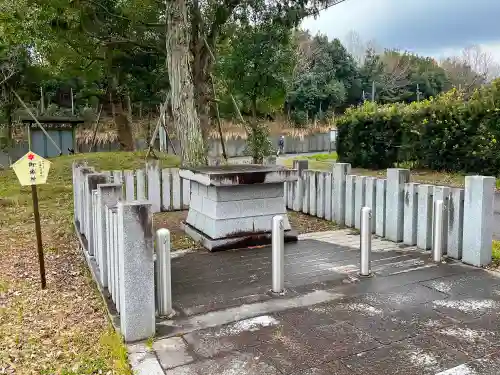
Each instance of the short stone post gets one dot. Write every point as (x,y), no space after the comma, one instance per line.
(136,270)
(410,214)
(154,193)
(359,200)
(107,195)
(92,180)
(478,220)
(371,199)
(396,179)
(455,223)
(340,171)
(442,193)
(424,221)
(76,183)
(380,211)
(350,193)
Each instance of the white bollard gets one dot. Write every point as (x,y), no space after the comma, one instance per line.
(278,252)
(365,241)
(437,243)
(163,272)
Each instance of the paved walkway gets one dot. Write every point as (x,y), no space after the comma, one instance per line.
(412,317)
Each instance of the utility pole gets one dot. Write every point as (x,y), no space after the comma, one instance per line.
(72,103)
(373,91)
(418,93)
(42,101)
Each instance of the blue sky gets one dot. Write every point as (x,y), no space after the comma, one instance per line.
(431,27)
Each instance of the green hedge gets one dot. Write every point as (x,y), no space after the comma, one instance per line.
(443,133)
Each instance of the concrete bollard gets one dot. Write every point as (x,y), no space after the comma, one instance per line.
(278,255)
(438,220)
(141,184)
(365,241)
(424,219)
(163,272)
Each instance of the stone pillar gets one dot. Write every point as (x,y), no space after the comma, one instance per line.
(359,199)
(154,193)
(320,199)
(299,194)
(166,188)
(92,180)
(313,178)
(76,184)
(396,178)
(442,193)
(424,221)
(478,220)
(186,193)
(82,203)
(410,213)
(307,191)
(176,189)
(380,210)
(117,177)
(350,193)
(371,198)
(129,185)
(328,196)
(455,223)
(340,171)
(107,195)
(141,185)
(136,271)
(300,165)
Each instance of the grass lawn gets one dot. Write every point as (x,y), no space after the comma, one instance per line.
(64,329)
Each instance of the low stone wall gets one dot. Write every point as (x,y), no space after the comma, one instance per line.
(402,211)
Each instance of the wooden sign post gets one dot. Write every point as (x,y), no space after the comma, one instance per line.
(33,170)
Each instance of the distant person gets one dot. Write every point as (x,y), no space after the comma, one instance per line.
(281,145)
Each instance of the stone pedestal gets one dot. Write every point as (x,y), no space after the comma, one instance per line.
(232,206)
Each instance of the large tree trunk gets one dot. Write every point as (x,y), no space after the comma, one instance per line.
(185,115)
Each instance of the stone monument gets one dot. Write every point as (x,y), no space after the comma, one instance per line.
(232,206)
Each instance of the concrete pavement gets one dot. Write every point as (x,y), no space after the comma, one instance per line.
(413,317)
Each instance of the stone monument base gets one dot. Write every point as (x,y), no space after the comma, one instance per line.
(234,242)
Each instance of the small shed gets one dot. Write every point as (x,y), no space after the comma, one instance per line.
(61,129)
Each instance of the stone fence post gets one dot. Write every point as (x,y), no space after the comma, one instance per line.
(91,182)
(396,180)
(478,220)
(340,171)
(136,270)
(107,195)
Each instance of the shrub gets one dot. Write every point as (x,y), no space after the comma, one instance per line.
(442,133)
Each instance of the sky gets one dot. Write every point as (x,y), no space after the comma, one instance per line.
(437,28)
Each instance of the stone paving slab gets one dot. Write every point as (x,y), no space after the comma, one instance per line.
(413,317)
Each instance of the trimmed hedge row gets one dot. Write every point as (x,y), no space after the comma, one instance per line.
(443,133)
